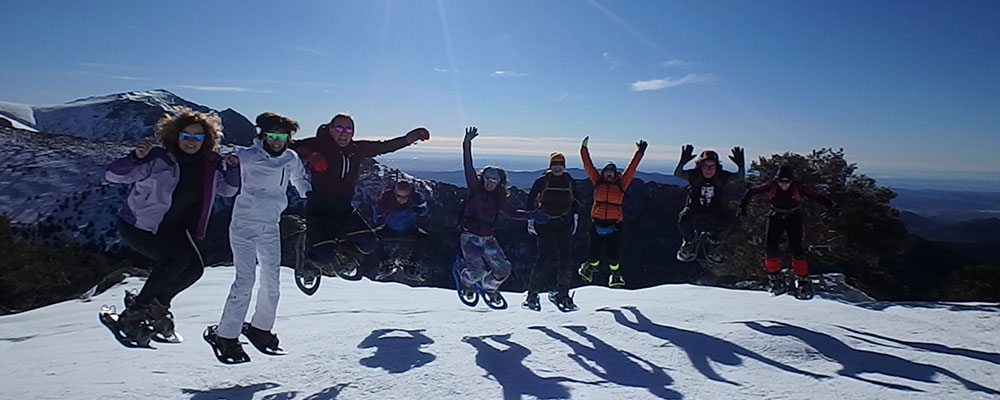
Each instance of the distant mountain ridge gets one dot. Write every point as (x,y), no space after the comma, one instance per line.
(121,117)
(524,179)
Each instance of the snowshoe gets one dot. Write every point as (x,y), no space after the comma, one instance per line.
(687,252)
(348,265)
(531,302)
(777,284)
(711,247)
(307,277)
(587,270)
(158,317)
(467,294)
(616,280)
(564,302)
(493,299)
(227,351)
(130,332)
(265,341)
(803,288)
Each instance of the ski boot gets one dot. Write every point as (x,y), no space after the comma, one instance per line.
(803,288)
(687,252)
(265,341)
(776,284)
(227,351)
(587,270)
(616,279)
(563,301)
(531,302)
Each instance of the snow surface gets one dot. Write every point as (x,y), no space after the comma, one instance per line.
(22,116)
(368,340)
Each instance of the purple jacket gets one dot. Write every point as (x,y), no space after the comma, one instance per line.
(482,207)
(155,177)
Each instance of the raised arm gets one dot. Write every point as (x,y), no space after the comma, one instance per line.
(588,164)
(737,157)
(687,154)
(135,166)
(633,164)
(470,171)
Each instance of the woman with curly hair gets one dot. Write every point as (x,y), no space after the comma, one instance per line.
(488,198)
(174,184)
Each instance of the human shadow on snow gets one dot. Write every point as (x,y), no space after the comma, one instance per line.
(397,354)
(236,392)
(507,367)
(885,305)
(855,363)
(240,392)
(617,366)
(931,347)
(700,348)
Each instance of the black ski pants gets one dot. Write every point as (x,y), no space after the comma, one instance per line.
(347,225)
(555,257)
(609,243)
(787,222)
(178,263)
(719,221)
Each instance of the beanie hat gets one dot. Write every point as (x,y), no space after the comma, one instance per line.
(707,155)
(785,171)
(610,165)
(557,157)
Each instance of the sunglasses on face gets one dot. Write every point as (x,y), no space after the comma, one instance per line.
(276,136)
(708,166)
(557,164)
(343,129)
(192,136)
(402,196)
(784,181)
(491,179)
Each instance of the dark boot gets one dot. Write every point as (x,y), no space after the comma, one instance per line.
(776,283)
(686,252)
(162,321)
(265,341)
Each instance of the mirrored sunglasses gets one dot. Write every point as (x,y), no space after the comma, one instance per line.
(343,129)
(192,136)
(276,136)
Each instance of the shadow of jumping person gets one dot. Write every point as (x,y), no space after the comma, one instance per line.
(931,347)
(855,362)
(236,392)
(507,367)
(617,366)
(397,354)
(700,348)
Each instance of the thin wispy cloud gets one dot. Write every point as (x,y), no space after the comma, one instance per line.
(562,96)
(223,89)
(127,78)
(669,82)
(612,60)
(676,63)
(307,50)
(442,70)
(513,74)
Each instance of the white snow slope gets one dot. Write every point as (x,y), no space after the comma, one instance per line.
(367,340)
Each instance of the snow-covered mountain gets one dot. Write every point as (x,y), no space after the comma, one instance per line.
(118,117)
(369,340)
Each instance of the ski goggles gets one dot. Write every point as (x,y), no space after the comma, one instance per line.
(343,129)
(276,136)
(491,179)
(192,136)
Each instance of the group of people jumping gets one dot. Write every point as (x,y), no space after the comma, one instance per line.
(175,182)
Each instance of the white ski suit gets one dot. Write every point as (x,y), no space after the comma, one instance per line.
(254,236)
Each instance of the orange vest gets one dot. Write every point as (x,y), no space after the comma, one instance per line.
(608,197)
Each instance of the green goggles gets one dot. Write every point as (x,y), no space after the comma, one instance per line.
(276,136)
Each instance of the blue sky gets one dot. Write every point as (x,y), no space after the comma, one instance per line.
(905,86)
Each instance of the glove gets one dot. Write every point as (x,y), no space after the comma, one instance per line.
(531,227)
(418,134)
(316,162)
(687,153)
(585,141)
(420,209)
(737,156)
(576,220)
(641,146)
(471,133)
